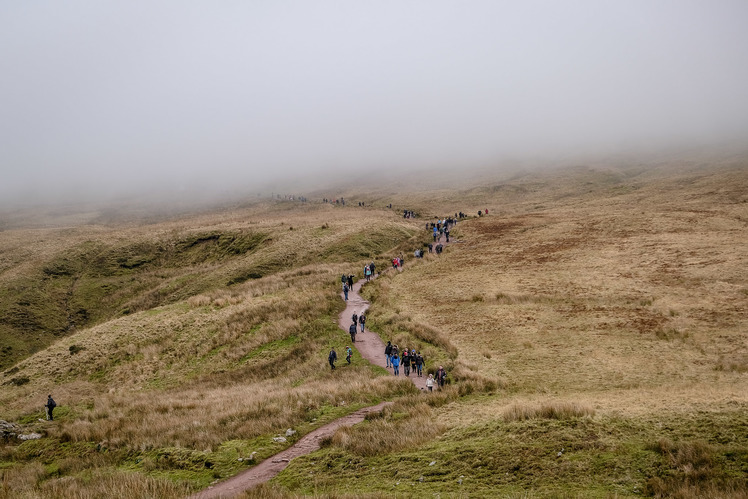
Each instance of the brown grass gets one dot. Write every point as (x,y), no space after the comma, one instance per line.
(548,410)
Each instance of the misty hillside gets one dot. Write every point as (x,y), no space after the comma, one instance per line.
(593,325)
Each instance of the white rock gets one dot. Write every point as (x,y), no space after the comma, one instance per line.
(432,463)
(290,432)
(30,436)
(279,439)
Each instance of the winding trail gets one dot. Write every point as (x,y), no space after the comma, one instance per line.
(371,348)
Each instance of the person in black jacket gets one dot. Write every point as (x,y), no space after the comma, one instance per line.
(352,331)
(388,353)
(332,358)
(50,407)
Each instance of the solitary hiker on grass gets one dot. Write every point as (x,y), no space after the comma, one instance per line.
(348,355)
(332,358)
(51,404)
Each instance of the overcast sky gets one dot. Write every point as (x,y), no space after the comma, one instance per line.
(108,96)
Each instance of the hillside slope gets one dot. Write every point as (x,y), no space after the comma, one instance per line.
(593,325)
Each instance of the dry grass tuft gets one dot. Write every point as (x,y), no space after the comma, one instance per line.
(548,410)
(390,432)
(693,472)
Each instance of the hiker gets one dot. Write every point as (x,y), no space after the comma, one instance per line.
(332,358)
(446,233)
(355,318)
(362,321)
(352,331)
(388,353)
(441,376)
(430,382)
(419,364)
(367,273)
(413,358)
(436,233)
(350,281)
(396,365)
(50,407)
(372,267)
(343,279)
(348,355)
(345,291)
(406,362)
(431,247)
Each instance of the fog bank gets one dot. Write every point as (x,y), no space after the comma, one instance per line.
(103,99)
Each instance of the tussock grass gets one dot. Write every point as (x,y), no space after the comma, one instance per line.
(390,432)
(548,410)
(693,472)
(33,482)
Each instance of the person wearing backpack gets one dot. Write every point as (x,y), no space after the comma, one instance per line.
(406,362)
(345,291)
(388,353)
(51,404)
(348,355)
(355,318)
(362,321)
(396,365)
(352,332)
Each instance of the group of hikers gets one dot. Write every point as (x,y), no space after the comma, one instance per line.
(410,360)
(358,321)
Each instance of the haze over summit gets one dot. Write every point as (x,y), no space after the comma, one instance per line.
(106,100)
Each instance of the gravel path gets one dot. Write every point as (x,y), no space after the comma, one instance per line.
(371,348)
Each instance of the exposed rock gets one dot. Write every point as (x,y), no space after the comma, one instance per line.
(290,432)
(280,440)
(8,430)
(30,436)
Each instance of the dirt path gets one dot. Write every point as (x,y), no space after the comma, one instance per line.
(371,348)
(368,344)
(277,463)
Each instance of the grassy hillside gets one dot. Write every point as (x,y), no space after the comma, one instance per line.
(593,325)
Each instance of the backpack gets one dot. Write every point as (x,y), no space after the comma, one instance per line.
(345,287)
